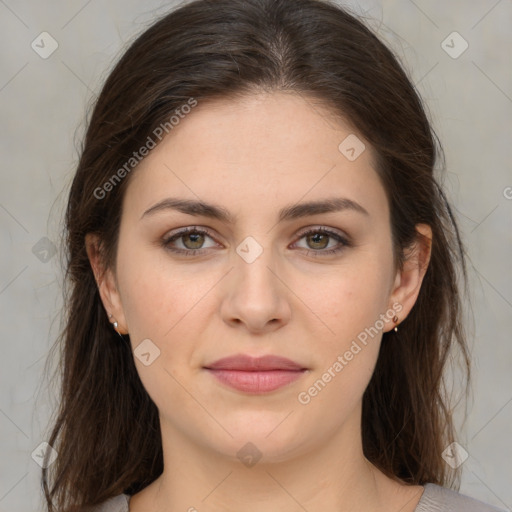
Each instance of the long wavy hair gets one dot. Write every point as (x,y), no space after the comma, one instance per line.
(106,429)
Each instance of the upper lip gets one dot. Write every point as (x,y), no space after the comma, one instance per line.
(251,364)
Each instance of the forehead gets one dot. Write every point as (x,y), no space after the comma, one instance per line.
(258,152)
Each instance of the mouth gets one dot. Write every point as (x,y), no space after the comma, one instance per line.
(256,375)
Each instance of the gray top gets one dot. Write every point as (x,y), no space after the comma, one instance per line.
(433,499)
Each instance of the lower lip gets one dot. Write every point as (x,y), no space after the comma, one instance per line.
(256,382)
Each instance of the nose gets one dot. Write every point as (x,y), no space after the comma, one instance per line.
(256,295)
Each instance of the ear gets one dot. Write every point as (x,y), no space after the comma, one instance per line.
(106,282)
(408,279)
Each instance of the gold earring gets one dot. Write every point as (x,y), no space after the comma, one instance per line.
(395,320)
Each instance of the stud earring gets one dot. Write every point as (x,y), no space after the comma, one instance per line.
(395,320)
(115,324)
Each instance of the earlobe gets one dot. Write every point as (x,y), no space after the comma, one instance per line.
(106,283)
(409,279)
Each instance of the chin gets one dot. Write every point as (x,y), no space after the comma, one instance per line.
(268,442)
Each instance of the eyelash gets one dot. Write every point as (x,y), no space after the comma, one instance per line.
(203,231)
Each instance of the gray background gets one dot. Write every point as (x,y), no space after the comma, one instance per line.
(43,103)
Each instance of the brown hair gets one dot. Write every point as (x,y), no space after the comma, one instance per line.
(107,431)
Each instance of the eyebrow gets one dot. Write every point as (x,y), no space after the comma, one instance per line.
(291,212)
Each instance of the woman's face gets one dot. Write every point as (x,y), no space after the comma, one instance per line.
(257,285)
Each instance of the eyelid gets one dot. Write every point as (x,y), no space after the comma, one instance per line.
(179,232)
(325,229)
(343,240)
(300,234)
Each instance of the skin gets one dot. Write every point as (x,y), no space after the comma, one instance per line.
(253,156)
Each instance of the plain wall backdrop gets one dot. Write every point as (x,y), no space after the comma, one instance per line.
(43,102)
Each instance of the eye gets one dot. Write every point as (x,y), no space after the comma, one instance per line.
(318,240)
(193,238)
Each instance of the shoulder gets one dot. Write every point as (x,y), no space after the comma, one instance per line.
(440,499)
(116,504)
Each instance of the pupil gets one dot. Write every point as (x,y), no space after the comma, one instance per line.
(194,236)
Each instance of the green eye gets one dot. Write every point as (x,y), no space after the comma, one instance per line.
(193,238)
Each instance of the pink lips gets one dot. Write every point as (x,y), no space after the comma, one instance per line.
(255,375)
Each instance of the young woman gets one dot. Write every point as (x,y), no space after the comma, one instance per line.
(263,276)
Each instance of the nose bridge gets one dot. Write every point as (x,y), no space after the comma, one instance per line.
(256,296)
(253,264)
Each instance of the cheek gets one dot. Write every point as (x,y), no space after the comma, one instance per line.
(158,303)
(350,303)
(352,298)
(170,305)
(346,357)
(155,293)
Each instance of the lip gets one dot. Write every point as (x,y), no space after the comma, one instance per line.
(246,363)
(256,375)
